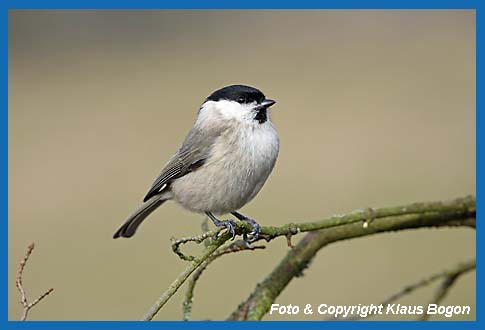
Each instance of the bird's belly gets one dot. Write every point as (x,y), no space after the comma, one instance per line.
(203,191)
(230,178)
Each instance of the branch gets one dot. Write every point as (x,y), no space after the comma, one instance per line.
(449,276)
(365,216)
(23,296)
(457,212)
(237,246)
(176,243)
(177,283)
(409,216)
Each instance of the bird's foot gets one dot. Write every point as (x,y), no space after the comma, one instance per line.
(256,228)
(229,224)
(254,234)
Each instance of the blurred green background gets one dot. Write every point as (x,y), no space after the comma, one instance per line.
(375,108)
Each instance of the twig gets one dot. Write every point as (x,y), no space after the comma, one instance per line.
(19,284)
(458,212)
(176,243)
(449,276)
(237,246)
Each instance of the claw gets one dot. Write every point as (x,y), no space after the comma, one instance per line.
(248,245)
(254,234)
(230,224)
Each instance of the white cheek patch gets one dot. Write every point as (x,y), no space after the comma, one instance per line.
(230,110)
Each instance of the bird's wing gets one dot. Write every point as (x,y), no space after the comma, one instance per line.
(189,157)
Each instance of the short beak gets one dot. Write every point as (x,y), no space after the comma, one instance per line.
(265,104)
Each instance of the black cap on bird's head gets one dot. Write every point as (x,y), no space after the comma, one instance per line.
(245,96)
(241,94)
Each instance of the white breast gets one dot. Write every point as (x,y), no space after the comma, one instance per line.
(236,170)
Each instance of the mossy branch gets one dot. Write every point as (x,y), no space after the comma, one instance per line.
(236,246)
(177,283)
(457,212)
(364,216)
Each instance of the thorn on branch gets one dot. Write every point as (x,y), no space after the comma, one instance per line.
(288,241)
(19,284)
(292,230)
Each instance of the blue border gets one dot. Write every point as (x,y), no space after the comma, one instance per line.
(6,5)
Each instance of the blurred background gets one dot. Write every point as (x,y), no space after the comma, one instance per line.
(375,108)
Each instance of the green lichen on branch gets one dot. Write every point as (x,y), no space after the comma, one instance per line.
(457,212)
(176,243)
(177,283)
(366,216)
(236,246)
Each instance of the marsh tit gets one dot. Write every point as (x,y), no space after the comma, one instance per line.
(222,164)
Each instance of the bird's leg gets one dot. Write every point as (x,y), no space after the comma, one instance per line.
(256,227)
(229,224)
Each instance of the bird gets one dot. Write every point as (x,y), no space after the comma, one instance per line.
(222,164)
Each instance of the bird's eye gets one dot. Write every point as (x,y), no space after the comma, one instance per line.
(241,100)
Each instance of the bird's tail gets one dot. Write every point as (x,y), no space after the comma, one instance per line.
(130,225)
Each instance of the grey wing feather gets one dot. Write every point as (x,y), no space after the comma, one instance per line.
(189,157)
